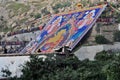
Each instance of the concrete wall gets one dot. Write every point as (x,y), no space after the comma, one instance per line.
(90,51)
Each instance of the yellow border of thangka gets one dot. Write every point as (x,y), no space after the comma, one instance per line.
(73,11)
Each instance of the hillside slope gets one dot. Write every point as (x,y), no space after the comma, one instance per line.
(18,14)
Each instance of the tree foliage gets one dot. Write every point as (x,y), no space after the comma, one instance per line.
(101,40)
(104,67)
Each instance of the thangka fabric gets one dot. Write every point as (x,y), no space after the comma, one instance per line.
(65,29)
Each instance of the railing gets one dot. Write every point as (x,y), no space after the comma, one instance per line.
(18,54)
(13,42)
(24,31)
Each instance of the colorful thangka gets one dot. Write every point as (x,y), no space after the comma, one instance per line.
(65,29)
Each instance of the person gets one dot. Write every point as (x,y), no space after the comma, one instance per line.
(11,49)
(5,50)
(0,37)
(66,50)
(39,51)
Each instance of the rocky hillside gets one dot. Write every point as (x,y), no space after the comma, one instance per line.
(18,14)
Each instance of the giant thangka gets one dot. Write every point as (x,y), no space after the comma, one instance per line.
(64,29)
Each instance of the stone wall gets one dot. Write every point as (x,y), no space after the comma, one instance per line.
(105,30)
(108,30)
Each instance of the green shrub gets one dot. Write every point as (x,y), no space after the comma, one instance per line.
(117,36)
(38,15)
(45,11)
(66,4)
(99,39)
(57,6)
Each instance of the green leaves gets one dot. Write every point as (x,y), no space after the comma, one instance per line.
(45,11)
(112,70)
(38,15)
(101,40)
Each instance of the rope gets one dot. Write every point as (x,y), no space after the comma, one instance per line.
(114,8)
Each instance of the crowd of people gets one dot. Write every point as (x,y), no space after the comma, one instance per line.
(16,46)
(106,20)
(12,47)
(12,42)
(25,31)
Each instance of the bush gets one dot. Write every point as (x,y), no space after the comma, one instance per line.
(66,4)
(99,39)
(117,36)
(57,6)
(38,15)
(104,56)
(45,11)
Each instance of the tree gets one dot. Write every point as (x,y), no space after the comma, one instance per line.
(112,70)
(110,62)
